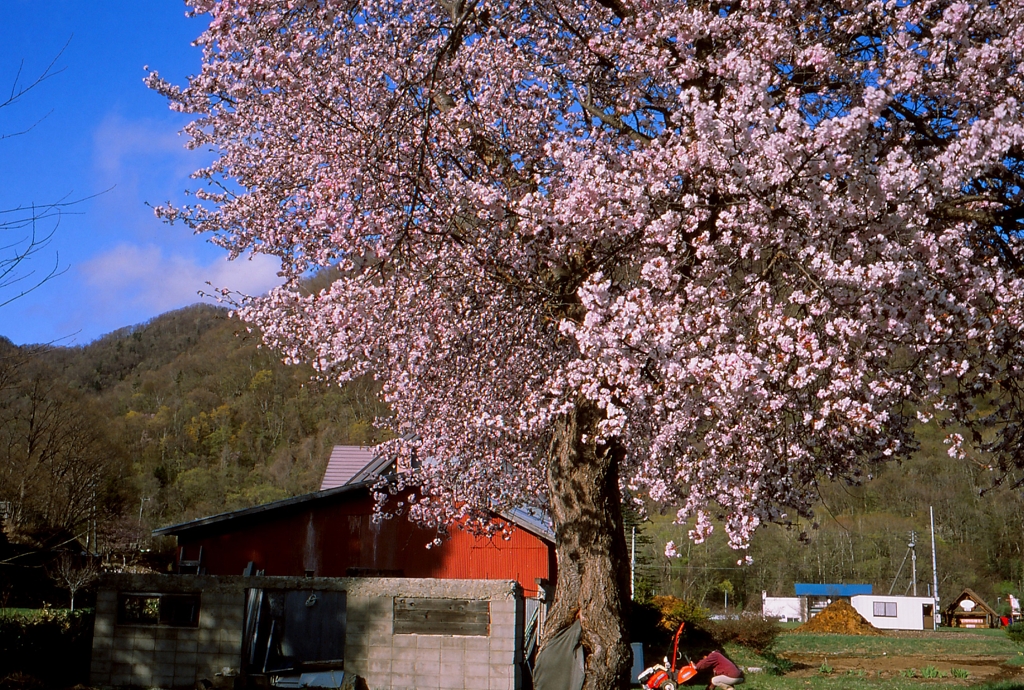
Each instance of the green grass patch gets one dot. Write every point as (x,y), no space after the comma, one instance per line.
(19,613)
(854,680)
(35,614)
(1016,660)
(978,643)
(825,676)
(842,681)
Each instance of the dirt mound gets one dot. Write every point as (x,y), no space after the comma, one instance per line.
(841,619)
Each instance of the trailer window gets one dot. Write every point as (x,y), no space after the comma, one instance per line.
(885,609)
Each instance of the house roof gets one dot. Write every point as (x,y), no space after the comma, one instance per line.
(284,503)
(969,593)
(531,520)
(345,463)
(807,589)
(351,469)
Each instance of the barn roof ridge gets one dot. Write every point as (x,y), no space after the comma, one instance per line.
(261,508)
(529,519)
(349,464)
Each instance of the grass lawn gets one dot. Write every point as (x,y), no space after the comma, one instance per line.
(18,613)
(943,642)
(33,613)
(866,682)
(893,662)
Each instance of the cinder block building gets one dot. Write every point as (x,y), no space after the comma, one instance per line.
(172,631)
(313,590)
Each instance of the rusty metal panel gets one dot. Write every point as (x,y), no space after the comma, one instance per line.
(414,615)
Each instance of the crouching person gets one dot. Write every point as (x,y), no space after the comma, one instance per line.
(725,673)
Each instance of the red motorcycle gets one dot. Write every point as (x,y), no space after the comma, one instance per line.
(664,677)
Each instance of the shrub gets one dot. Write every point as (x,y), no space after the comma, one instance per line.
(655,624)
(31,644)
(20,681)
(1016,632)
(777,665)
(754,632)
(675,611)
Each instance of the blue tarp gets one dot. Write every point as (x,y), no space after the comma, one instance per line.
(806,589)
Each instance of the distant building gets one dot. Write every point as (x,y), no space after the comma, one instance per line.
(970,611)
(888,612)
(817,596)
(810,600)
(783,609)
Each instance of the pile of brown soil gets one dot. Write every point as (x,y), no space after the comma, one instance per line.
(841,619)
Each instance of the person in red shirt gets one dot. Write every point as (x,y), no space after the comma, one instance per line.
(726,673)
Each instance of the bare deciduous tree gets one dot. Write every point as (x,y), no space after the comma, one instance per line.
(74,574)
(21,233)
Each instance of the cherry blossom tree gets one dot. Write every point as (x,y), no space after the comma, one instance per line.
(705,252)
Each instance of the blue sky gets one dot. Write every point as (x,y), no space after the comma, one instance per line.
(104,134)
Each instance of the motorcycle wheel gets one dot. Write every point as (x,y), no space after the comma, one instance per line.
(668,686)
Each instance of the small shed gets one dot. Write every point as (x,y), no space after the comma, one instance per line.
(888,612)
(970,611)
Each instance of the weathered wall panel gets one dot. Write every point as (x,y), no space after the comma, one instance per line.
(428,616)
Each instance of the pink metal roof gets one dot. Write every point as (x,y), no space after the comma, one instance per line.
(345,463)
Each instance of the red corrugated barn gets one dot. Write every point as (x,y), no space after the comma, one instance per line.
(331,534)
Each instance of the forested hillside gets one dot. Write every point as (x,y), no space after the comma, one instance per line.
(181,417)
(188,416)
(861,535)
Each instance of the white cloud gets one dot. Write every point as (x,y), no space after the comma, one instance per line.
(146,277)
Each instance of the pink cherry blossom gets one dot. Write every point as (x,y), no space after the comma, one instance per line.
(764,240)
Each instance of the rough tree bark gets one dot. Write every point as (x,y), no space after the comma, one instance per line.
(593,571)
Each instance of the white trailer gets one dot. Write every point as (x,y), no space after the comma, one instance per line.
(782,608)
(896,613)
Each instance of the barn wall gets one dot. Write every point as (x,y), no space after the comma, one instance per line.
(158,657)
(326,539)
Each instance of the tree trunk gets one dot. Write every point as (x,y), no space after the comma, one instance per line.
(593,570)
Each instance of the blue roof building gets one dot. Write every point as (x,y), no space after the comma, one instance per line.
(807,589)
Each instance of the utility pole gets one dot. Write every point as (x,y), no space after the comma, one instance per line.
(913,559)
(935,572)
(912,554)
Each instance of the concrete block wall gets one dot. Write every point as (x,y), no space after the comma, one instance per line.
(170,657)
(158,656)
(434,662)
